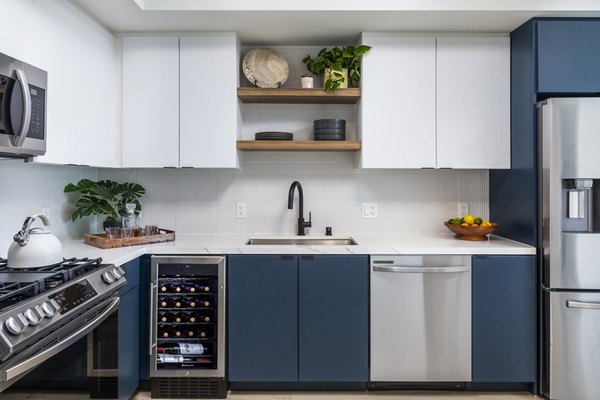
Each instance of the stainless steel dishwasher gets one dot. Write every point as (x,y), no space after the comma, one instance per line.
(420,321)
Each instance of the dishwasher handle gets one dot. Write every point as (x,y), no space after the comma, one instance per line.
(419,270)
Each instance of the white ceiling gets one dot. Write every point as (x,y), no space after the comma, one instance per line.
(316,22)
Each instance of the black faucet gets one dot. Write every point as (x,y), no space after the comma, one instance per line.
(301,223)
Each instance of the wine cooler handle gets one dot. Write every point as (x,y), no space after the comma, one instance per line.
(152,341)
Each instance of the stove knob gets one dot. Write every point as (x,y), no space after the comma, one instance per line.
(48,309)
(121,270)
(116,273)
(32,317)
(107,278)
(12,326)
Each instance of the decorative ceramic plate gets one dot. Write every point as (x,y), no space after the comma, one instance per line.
(265,68)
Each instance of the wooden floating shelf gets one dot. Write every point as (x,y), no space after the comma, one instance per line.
(291,145)
(298,96)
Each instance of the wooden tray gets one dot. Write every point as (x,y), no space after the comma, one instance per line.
(100,240)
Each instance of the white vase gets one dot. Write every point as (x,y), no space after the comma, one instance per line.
(308,82)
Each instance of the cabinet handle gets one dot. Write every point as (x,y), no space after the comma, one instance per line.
(582,304)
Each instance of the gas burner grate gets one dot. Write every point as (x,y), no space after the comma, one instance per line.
(73,266)
(13,292)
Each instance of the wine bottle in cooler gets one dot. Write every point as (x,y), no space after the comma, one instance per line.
(170,302)
(169,288)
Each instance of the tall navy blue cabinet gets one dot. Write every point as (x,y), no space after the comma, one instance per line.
(333,315)
(504,319)
(129,309)
(549,57)
(300,319)
(262,318)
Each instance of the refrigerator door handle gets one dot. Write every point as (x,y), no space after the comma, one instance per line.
(581,304)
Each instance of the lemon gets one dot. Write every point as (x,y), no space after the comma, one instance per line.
(469,219)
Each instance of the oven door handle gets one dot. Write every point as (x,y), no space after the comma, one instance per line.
(30,363)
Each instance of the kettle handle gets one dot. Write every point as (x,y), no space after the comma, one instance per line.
(22,237)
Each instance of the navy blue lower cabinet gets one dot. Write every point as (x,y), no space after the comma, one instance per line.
(504,319)
(129,308)
(333,318)
(262,318)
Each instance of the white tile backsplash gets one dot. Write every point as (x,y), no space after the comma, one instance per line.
(204,200)
(28,188)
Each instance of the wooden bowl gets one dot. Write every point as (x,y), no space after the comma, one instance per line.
(471,232)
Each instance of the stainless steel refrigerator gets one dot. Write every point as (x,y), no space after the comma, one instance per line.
(569,144)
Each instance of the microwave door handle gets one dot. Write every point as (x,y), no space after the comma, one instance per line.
(19,137)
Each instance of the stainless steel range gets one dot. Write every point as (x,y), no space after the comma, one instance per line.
(44,310)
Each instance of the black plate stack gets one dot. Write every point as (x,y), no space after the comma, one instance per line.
(330,129)
(274,136)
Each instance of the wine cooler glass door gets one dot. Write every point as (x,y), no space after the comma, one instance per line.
(187,317)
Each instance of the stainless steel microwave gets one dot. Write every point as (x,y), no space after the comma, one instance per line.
(22,108)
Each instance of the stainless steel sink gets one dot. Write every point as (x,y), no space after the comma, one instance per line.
(302,241)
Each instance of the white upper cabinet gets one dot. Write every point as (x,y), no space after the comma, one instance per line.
(151,101)
(209,108)
(473,102)
(432,102)
(81,59)
(397,109)
(180,107)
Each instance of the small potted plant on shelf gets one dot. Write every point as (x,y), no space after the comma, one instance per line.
(106,198)
(340,66)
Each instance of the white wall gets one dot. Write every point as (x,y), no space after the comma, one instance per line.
(28,188)
(204,201)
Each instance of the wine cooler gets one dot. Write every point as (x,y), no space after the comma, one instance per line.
(187,327)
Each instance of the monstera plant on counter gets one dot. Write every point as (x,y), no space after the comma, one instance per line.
(106,198)
(341,65)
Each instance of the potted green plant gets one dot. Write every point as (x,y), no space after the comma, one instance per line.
(106,198)
(341,65)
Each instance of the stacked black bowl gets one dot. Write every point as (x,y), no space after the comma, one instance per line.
(330,129)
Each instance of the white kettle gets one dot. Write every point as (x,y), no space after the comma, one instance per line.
(35,247)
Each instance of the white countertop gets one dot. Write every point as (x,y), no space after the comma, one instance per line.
(367,244)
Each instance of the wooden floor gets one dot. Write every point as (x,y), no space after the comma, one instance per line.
(300,396)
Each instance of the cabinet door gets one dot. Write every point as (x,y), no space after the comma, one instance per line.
(568,56)
(210,115)
(397,109)
(151,102)
(129,330)
(504,319)
(333,318)
(473,102)
(16,37)
(263,318)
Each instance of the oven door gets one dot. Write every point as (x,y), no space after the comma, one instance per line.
(20,364)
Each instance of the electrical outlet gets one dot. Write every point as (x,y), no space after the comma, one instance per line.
(46,212)
(240,210)
(463,209)
(369,210)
